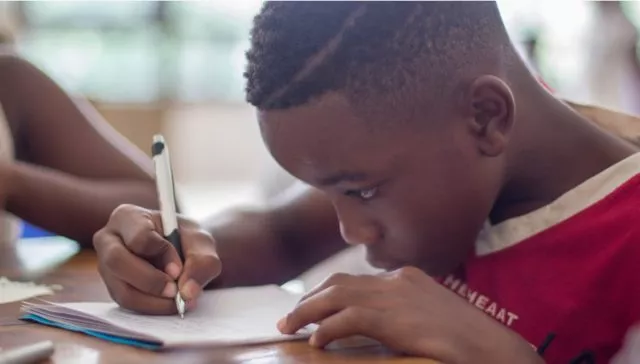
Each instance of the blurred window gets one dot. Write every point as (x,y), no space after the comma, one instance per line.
(559,28)
(141,51)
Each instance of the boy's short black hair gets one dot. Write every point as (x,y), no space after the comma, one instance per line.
(303,49)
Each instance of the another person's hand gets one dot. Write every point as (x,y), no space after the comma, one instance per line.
(6,180)
(140,268)
(408,312)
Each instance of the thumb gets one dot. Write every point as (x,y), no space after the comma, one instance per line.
(201,263)
(139,229)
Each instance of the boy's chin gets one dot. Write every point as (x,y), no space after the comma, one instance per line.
(382,262)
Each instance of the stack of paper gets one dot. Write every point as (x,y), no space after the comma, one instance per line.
(235,316)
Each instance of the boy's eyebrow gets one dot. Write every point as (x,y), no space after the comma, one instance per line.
(342,176)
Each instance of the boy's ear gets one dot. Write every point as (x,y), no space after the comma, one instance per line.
(491,108)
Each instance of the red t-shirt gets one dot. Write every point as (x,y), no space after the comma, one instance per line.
(571,268)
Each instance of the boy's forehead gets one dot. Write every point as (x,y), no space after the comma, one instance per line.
(330,106)
(324,135)
(328,120)
(330,116)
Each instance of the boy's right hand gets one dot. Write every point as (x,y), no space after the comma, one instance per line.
(140,267)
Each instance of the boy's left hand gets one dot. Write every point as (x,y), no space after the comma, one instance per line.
(409,312)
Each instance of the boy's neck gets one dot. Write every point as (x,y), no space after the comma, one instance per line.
(568,150)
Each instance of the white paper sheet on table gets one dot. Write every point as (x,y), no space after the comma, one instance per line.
(11,291)
(224,317)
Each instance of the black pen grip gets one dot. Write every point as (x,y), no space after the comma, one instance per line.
(174,239)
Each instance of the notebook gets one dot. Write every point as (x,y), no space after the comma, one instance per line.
(226,317)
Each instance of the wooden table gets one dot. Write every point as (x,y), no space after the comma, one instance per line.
(81,281)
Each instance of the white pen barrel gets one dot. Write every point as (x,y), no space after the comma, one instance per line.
(166,196)
(165,190)
(165,185)
(34,353)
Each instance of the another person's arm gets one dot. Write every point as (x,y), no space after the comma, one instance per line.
(72,168)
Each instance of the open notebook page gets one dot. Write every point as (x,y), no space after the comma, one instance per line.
(223,317)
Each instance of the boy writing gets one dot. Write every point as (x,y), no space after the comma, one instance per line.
(503,217)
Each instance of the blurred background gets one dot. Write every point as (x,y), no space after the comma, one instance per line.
(176,67)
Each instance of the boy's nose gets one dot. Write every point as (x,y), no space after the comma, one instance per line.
(361,233)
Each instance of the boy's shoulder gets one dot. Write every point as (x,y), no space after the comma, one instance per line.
(624,125)
(572,262)
(606,204)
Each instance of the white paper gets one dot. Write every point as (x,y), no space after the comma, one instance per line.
(11,291)
(223,317)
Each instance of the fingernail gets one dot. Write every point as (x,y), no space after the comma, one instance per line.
(313,341)
(191,290)
(191,305)
(172,270)
(282,323)
(170,290)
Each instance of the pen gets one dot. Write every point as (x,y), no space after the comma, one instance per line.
(167,200)
(33,353)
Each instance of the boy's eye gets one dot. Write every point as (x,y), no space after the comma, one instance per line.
(368,193)
(365,194)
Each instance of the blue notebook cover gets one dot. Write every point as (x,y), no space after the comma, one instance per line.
(112,338)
